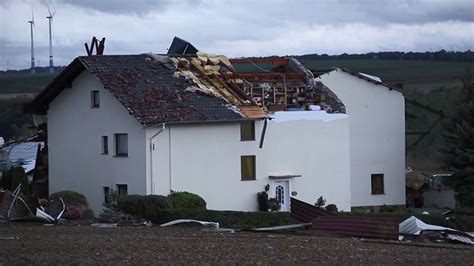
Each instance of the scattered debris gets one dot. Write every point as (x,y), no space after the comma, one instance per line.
(180,221)
(282,227)
(8,238)
(104,225)
(414,226)
(14,207)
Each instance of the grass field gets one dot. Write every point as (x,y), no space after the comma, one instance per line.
(24,83)
(396,70)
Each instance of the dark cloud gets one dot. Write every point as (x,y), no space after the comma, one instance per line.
(236,28)
(138,7)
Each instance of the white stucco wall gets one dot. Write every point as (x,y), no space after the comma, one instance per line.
(377,137)
(74,138)
(205,159)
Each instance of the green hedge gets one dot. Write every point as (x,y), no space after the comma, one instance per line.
(71,197)
(186,200)
(142,206)
(227,219)
(467,211)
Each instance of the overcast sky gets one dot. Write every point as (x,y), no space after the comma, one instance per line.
(235,28)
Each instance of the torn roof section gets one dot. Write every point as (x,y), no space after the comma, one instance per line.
(186,85)
(283,83)
(163,88)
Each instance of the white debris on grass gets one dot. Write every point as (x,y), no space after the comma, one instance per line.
(180,221)
(415,226)
(288,116)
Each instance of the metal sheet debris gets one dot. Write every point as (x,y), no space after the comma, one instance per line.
(305,212)
(355,226)
(415,226)
(14,207)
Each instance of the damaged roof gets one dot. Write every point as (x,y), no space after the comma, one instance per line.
(149,88)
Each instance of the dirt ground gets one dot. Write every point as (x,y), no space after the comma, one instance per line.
(178,245)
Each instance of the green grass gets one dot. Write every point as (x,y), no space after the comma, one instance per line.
(395,70)
(24,83)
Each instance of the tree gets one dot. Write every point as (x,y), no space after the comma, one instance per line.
(459,149)
(14,177)
(320,202)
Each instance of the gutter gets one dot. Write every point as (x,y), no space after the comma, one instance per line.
(152,187)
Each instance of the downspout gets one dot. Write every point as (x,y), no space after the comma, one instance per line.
(262,136)
(169,154)
(152,187)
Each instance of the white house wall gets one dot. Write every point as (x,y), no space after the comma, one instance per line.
(205,159)
(377,137)
(74,138)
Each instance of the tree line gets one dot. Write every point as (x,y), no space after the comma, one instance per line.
(441,55)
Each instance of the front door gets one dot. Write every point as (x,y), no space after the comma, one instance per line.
(281,193)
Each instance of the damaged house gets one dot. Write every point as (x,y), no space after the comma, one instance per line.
(188,121)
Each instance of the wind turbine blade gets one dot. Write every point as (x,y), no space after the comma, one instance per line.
(49,10)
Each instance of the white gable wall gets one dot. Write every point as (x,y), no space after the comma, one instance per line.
(205,159)
(74,139)
(377,137)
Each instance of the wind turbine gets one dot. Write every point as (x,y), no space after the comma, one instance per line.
(32,25)
(50,18)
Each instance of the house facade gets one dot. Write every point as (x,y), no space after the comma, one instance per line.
(377,137)
(105,133)
(153,124)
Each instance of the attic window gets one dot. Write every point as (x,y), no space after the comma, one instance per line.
(247,130)
(377,184)
(95,100)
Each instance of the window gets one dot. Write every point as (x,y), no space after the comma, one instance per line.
(247,130)
(106,195)
(95,101)
(247,167)
(105,145)
(122,190)
(377,184)
(121,144)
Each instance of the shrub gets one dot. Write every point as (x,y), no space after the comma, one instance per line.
(262,200)
(143,206)
(13,177)
(186,200)
(88,214)
(464,211)
(71,197)
(273,204)
(331,208)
